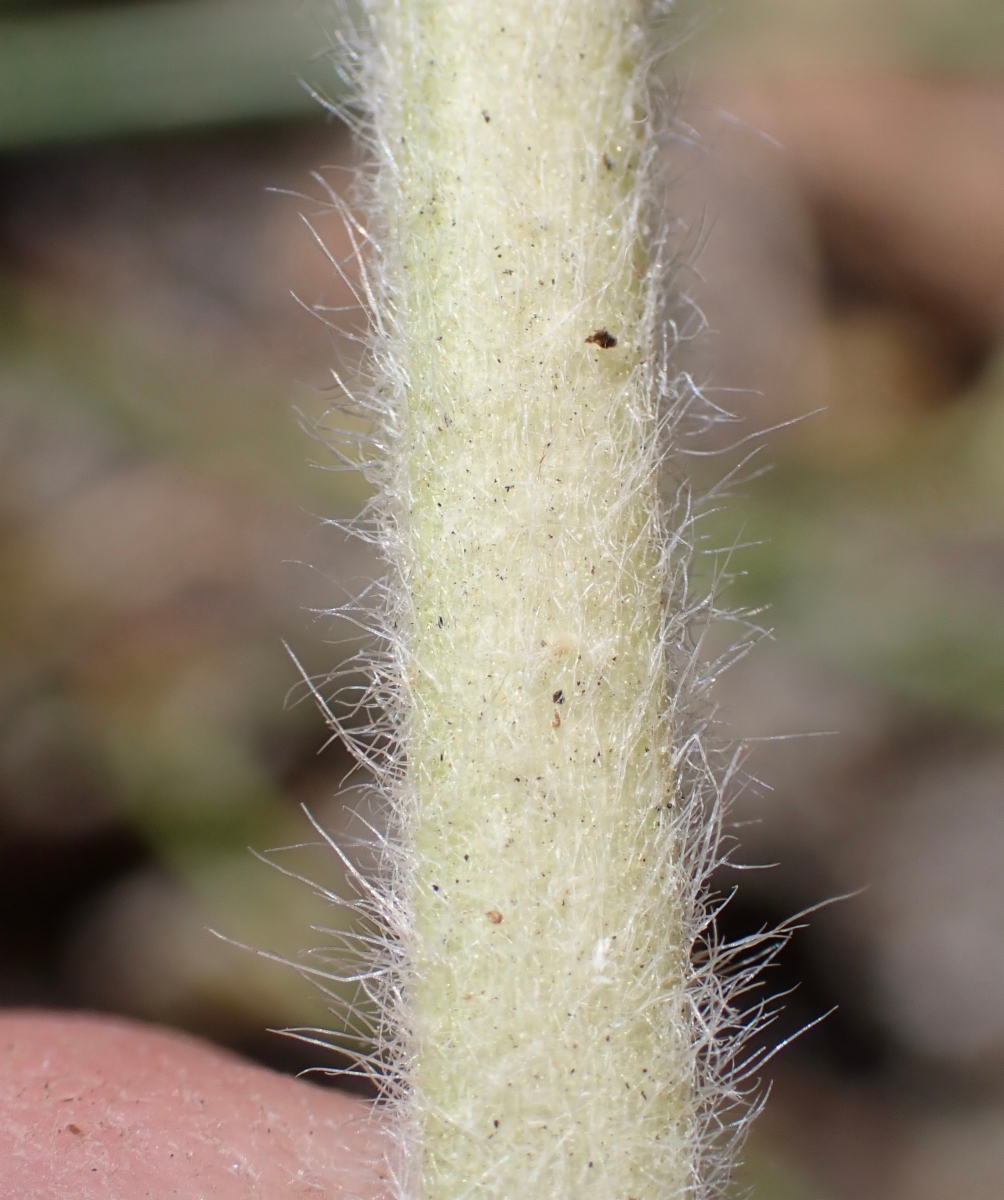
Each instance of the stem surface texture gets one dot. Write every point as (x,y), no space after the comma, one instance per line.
(545,1022)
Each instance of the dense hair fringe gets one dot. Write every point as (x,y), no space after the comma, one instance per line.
(366,701)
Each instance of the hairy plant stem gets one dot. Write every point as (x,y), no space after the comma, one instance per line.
(548,1047)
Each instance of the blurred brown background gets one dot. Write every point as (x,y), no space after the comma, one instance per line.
(162,532)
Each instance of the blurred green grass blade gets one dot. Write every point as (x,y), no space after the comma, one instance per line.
(67,75)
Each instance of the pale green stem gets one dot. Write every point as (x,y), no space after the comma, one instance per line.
(549,1043)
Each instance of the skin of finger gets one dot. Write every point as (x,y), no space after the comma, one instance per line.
(97,1107)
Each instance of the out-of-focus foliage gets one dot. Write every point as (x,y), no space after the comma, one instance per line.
(853,290)
(94,70)
(891,568)
(753,37)
(154,487)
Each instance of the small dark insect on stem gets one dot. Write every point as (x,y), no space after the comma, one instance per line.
(602,338)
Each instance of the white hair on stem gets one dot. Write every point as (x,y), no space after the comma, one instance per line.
(550,1013)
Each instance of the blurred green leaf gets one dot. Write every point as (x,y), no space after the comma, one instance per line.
(766,1174)
(893,571)
(113,70)
(753,35)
